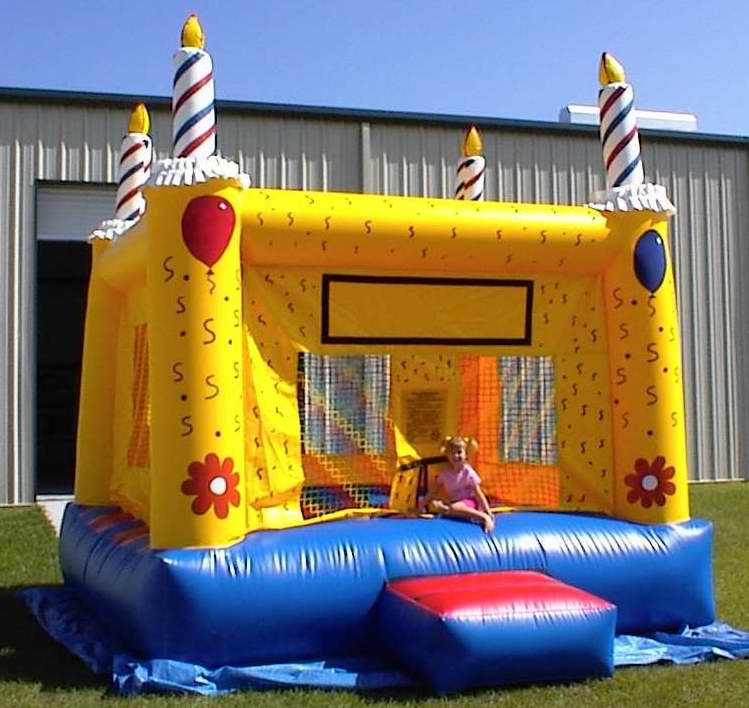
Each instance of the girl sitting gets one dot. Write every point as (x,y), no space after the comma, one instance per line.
(457,490)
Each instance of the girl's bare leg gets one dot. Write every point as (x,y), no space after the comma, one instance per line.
(463,511)
(435,506)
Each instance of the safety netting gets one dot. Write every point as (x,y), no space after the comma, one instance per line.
(138,451)
(348,450)
(347,428)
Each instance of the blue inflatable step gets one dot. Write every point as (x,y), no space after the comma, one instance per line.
(459,632)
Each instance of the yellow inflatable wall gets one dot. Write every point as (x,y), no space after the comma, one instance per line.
(209,319)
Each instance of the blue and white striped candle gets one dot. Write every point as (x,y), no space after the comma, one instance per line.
(193,116)
(471,168)
(618,129)
(136,155)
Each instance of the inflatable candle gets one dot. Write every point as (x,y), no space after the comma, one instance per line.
(618,129)
(135,166)
(620,142)
(193,117)
(472,168)
(133,171)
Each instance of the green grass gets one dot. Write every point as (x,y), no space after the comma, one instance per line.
(35,671)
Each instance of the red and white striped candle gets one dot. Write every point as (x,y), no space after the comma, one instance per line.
(193,115)
(471,168)
(136,155)
(619,137)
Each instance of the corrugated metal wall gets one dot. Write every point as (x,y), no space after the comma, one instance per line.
(709,185)
(707,179)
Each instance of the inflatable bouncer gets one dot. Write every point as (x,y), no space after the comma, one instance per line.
(267,379)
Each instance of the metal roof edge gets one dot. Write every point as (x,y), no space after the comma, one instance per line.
(362,114)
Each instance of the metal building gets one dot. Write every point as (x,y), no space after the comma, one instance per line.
(58,158)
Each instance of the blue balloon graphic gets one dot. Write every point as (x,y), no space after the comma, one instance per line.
(650,260)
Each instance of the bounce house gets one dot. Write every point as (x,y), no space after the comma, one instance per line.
(267,379)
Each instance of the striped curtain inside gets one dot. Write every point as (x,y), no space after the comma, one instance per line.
(343,404)
(528,413)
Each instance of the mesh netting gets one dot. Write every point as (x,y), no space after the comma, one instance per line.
(344,403)
(506,403)
(138,447)
(529,420)
(348,452)
(508,406)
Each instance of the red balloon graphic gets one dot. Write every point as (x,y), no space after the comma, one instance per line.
(207,225)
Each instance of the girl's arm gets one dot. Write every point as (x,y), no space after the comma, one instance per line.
(483,502)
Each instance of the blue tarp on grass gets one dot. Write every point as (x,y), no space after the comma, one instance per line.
(61,613)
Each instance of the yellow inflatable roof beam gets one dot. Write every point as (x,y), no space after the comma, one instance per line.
(192,33)
(373,232)
(472,142)
(610,71)
(140,121)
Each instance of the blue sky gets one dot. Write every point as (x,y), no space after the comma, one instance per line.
(484,59)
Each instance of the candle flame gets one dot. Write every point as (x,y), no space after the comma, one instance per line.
(140,122)
(472,142)
(610,70)
(192,33)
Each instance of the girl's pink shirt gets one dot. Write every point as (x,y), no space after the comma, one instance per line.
(459,485)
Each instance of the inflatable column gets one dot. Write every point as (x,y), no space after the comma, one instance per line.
(472,168)
(195,344)
(95,441)
(650,460)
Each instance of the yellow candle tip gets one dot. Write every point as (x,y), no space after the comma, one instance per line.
(192,33)
(472,143)
(140,122)
(610,70)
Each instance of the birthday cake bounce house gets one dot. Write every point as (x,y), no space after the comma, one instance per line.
(267,380)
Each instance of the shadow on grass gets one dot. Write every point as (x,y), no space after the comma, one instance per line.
(29,654)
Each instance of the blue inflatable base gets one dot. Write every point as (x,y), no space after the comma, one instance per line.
(65,617)
(311,592)
(278,600)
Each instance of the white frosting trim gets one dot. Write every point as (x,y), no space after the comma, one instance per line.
(111,229)
(633,197)
(178,171)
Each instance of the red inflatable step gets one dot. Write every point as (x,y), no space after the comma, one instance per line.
(460,632)
(495,592)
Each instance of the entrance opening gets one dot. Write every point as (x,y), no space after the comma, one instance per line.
(65,214)
(62,278)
